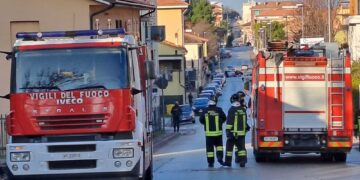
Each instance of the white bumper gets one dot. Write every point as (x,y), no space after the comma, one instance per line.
(40,158)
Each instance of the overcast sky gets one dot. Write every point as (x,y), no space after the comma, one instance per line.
(237,4)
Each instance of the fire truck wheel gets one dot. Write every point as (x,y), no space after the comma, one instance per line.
(326,157)
(149,172)
(273,157)
(340,157)
(259,157)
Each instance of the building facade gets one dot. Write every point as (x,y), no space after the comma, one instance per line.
(170,13)
(196,67)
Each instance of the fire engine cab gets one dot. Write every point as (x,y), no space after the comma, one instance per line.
(302,103)
(79,105)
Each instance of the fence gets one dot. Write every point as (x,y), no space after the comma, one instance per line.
(4,136)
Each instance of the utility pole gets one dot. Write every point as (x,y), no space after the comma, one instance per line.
(329,20)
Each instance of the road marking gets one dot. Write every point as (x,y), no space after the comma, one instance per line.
(180,152)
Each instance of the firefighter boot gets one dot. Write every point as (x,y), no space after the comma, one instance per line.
(242,164)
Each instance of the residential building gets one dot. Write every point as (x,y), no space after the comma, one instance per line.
(353,23)
(355,7)
(170,13)
(282,11)
(218,11)
(246,11)
(245,23)
(196,67)
(59,15)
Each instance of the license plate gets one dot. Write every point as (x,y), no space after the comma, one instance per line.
(71,156)
(271,138)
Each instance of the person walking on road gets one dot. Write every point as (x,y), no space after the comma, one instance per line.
(213,118)
(176,115)
(190,96)
(236,128)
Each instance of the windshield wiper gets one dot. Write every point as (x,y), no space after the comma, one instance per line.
(42,87)
(88,87)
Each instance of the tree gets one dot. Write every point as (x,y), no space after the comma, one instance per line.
(207,31)
(200,10)
(315,19)
(277,30)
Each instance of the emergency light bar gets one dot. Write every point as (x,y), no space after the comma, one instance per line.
(54,34)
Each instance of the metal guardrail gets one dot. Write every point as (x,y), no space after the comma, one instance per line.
(4,136)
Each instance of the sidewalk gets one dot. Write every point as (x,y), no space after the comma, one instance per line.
(162,138)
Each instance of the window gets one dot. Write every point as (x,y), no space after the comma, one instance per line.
(118,24)
(257,12)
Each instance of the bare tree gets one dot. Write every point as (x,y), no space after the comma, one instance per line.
(315,14)
(206,30)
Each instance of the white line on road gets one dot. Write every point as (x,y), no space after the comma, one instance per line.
(180,152)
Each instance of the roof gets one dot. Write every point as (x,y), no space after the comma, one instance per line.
(266,5)
(142,4)
(278,12)
(191,38)
(172,4)
(168,43)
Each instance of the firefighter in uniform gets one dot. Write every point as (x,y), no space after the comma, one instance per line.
(213,118)
(242,95)
(236,128)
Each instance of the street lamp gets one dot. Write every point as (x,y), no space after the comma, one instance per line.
(265,38)
(270,34)
(329,17)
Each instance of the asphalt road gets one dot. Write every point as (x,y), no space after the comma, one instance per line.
(185,158)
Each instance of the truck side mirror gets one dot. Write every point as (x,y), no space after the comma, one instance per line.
(6,96)
(9,55)
(150,70)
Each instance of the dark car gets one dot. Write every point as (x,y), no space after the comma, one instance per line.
(187,114)
(199,104)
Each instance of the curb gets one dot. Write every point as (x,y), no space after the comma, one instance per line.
(164,139)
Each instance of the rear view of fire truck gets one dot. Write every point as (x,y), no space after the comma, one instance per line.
(302,103)
(79,106)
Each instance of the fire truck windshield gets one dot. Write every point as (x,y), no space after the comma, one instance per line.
(71,69)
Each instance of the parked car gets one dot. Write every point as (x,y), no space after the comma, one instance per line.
(205,95)
(222,76)
(199,104)
(217,81)
(217,91)
(214,85)
(209,91)
(187,114)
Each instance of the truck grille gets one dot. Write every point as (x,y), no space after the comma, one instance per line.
(71,122)
(76,164)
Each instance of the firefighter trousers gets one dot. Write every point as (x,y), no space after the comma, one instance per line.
(217,143)
(239,142)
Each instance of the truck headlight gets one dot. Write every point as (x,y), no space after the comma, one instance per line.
(123,152)
(20,156)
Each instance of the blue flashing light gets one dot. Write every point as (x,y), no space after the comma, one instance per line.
(305,53)
(54,34)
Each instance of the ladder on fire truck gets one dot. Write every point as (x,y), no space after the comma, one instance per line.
(336,92)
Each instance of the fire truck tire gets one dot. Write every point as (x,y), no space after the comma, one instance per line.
(259,157)
(326,157)
(273,157)
(340,157)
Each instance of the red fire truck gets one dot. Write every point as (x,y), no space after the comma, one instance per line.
(79,105)
(302,103)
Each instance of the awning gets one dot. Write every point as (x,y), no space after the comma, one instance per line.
(139,4)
